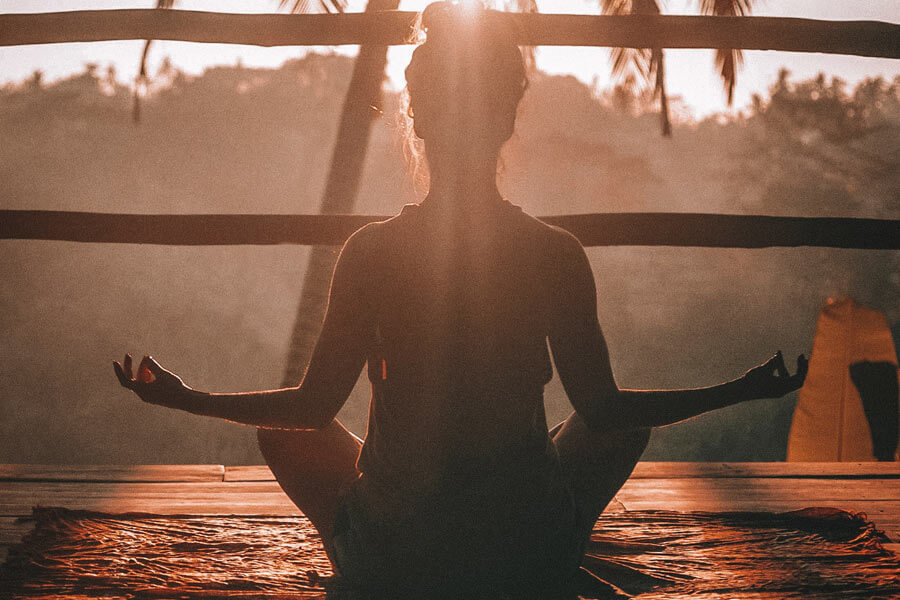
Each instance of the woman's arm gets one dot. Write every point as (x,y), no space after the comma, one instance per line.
(582,361)
(656,408)
(333,370)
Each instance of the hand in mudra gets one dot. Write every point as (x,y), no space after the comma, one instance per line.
(153,384)
(772,379)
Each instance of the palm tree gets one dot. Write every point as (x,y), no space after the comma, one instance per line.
(360,107)
(648,64)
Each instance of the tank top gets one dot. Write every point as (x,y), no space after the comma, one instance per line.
(457,467)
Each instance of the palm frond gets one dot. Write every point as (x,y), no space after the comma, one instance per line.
(645,64)
(728,61)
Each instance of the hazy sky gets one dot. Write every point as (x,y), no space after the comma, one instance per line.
(690,73)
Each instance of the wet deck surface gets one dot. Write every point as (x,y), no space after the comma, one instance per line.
(873,488)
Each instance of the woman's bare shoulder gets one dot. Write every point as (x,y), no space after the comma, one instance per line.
(559,241)
(373,238)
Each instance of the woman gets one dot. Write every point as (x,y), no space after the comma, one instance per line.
(459,486)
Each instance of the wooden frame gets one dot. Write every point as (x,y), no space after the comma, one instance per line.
(609,229)
(861,38)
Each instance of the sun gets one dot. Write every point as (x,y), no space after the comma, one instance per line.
(469,6)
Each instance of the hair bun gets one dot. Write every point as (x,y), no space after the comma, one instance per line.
(471,40)
(449,21)
(446,20)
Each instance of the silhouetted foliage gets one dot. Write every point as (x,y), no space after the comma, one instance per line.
(818,149)
(648,64)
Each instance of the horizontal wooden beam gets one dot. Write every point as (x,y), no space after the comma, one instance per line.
(687,470)
(602,229)
(862,38)
(112,473)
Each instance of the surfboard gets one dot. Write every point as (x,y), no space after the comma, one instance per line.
(829,422)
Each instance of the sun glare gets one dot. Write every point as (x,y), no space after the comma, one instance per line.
(469,6)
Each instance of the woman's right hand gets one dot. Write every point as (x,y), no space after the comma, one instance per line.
(153,384)
(772,379)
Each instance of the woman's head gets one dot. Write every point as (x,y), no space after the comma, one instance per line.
(466,80)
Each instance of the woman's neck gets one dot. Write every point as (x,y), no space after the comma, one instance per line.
(463,179)
(463,191)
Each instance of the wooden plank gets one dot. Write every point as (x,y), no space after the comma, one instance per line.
(757,487)
(18,498)
(762,488)
(141,487)
(248,473)
(862,38)
(210,506)
(109,473)
(837,470)
(600,229)
(688,470)
(661,492)
(884,514)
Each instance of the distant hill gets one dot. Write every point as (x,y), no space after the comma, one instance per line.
(252,140)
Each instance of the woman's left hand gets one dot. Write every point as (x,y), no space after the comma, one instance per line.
(772,380)
(153,383)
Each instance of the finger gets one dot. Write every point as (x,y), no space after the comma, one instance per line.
(797,380)
(127,367)
(120,374)
(780,366)
(770,365)
(145,373)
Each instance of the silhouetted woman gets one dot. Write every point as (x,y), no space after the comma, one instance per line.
(458,487)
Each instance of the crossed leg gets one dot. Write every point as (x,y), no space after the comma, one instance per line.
(313,468)
(596,464)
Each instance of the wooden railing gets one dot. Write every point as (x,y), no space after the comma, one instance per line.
(616,229)
(862,38)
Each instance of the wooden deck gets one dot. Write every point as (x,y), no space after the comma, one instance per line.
(873,488)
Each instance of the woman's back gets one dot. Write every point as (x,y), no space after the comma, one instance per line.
(459,356)
(457,464)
